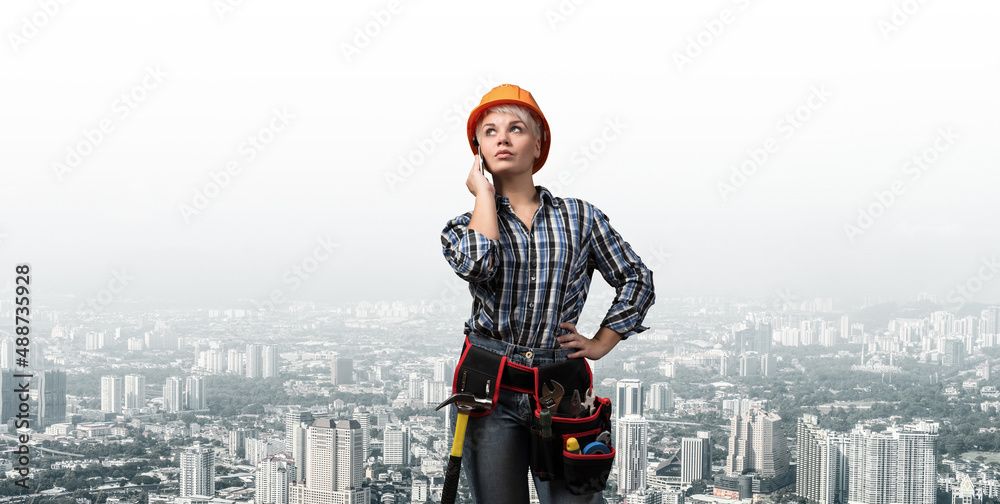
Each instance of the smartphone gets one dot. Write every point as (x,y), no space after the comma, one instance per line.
(482,161)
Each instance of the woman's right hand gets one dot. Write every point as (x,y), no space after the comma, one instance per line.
(477,182)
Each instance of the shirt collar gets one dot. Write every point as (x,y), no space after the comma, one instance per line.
(544,194)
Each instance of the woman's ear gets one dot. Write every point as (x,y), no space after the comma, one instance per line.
(538,148)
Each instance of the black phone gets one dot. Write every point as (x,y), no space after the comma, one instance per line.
(482,161)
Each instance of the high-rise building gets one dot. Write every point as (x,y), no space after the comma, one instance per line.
(238,441)
(7,353)
(822,470)
(112,393)
(269,358)
(173,395)
(661,397)
(297,423)
(198,471)
(273,475)
(396,445)
(342,371)
(234,362)
(49,391)
(629,398)
(194,393)
(895,466)
(696,457)
(8,402)
(754,339)
(135,391)
(364,419)
(259,449)
(632,446)
(757,445)
(255,361)
(442,371)
(334,473)
(954,353)
(749,364)
(989,326)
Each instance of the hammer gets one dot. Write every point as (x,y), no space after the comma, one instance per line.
(467,403)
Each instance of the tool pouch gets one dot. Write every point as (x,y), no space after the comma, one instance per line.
(583,474)
(478,373)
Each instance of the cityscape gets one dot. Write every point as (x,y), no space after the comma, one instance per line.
(778,400)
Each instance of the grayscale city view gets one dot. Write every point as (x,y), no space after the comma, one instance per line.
(785,399)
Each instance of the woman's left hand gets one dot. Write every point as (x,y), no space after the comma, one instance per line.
(591,348)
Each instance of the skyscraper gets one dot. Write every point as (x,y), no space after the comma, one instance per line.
(342,371)
(334,472)
(8,401)
(661,397)
(135,391)
(296,427)
(50,392)
(396,445)
(896,466)
(757,444)
(273,474)
(629,398)
(269,357)
(198,471)
(238,441)
(234,362)
(364,419)
(822,471)
(255,361)
(111,394)
(173,395)
(696,457)
(631,451)
(194,393)
(7,353)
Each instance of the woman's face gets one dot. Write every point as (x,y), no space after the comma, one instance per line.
(507,144)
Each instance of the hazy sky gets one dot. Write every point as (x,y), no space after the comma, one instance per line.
(120,119)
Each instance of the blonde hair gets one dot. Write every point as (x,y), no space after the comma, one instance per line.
(523,113)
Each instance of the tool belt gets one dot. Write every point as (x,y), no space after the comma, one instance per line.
(483,373)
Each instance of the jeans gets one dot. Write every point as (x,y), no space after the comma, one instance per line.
(497,446)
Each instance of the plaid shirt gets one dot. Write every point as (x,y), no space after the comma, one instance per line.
(528,282)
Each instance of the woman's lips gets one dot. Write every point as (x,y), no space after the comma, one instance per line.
(503,154)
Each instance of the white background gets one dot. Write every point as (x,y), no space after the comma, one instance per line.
(896,73)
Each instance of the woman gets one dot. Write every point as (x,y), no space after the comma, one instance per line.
(528,257)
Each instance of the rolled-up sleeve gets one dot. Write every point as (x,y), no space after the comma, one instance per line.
(470,253)
(624,270)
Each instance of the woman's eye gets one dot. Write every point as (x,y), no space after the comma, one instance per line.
(515,128)
(489,131)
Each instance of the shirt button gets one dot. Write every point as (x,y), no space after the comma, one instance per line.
(531,305)
(532,278)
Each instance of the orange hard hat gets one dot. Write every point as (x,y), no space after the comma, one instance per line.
(510,94)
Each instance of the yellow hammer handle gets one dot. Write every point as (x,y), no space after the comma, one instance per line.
(460,423)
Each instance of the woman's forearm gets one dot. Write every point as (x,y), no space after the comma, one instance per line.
(484,216)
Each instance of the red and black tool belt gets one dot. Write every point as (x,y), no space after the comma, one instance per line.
(571,431)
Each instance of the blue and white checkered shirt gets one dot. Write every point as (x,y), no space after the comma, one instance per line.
(528,282)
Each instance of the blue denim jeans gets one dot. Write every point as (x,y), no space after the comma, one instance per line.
(498,445)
